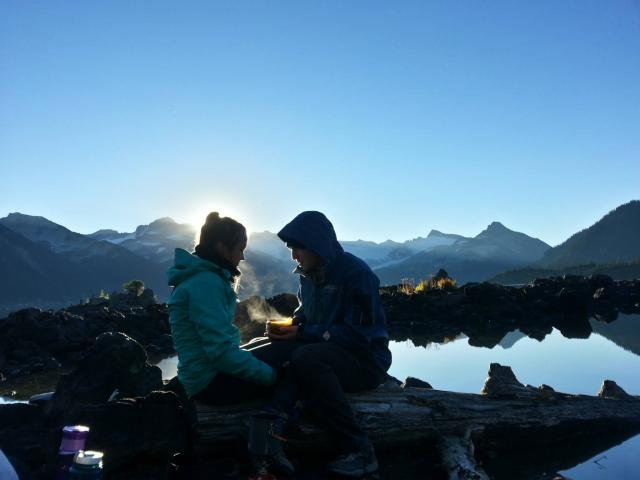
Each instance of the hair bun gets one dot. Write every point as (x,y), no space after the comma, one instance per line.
(213,217)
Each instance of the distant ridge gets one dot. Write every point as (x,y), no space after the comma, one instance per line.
(493,250)
(614,238)
(63,264)
(45,263)
(30,270)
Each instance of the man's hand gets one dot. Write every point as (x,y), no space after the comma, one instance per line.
(288,332)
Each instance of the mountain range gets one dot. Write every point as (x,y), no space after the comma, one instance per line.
(611,246)
(46,264)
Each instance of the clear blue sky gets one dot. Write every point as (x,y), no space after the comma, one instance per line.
(391,117)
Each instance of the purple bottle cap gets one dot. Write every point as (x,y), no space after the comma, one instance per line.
(75,431)
(74,438)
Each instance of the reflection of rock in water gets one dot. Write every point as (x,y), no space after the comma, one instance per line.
(536,460)
(511,338)
(487,313)
(624,332)
(574,326)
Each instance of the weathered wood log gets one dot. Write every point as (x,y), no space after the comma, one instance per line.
(393,416)
(458,458)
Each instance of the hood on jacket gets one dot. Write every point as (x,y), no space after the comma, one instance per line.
(186,265)
(315,232)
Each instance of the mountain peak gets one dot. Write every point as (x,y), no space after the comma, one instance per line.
(21,222)
(104,232)
(495,229)
(26,219)
(437,233)
(164,221)
(496,226)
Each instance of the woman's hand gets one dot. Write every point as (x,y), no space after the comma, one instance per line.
(282,332)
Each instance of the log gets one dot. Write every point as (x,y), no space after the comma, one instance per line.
(458,458)
(393,416)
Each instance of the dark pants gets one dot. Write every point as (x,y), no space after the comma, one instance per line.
(226,389)
(318,373)
(322,373)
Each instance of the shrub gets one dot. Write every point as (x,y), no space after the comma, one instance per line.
(134,287)
(436,284)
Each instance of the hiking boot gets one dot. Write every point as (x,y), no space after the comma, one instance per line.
(265,444)
(355,464)
(277,459)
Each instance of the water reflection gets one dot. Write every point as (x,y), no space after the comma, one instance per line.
(568,365)
(489,333)
(619,462)
(575,359)
(624,331)
(565,360)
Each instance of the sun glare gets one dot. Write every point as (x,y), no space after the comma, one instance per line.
(200,214)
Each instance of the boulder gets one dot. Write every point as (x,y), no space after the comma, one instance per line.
(115,362)
(412,382)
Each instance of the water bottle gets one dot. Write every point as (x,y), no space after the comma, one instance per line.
(74,438)
(87,465)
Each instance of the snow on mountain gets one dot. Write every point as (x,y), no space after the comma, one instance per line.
(155,241)
(57,238)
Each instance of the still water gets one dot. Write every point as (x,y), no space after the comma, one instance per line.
(570,365)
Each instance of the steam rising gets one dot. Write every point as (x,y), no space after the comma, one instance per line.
(260,311)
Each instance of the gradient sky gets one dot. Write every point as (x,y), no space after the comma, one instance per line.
(393,118)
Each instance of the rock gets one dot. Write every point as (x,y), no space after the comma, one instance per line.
(147,298)
(285,303)
(114,362)
(600,280)
(484,293)
(574,298)
(501,382)
(610,389)
(127,300)
(162,345)
(34,340)
(412,382)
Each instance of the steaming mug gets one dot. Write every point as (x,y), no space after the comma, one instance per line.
(275,325)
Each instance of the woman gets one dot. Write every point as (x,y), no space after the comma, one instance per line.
(211,365)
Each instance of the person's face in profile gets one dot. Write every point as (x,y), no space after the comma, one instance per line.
(235,254)
(307,260)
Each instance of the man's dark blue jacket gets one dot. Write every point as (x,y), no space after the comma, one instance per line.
(340,302)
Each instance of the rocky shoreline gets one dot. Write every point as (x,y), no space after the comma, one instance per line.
(33,340)
(486,312)
(112,386)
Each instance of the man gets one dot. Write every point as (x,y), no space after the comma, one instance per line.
(341,326)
